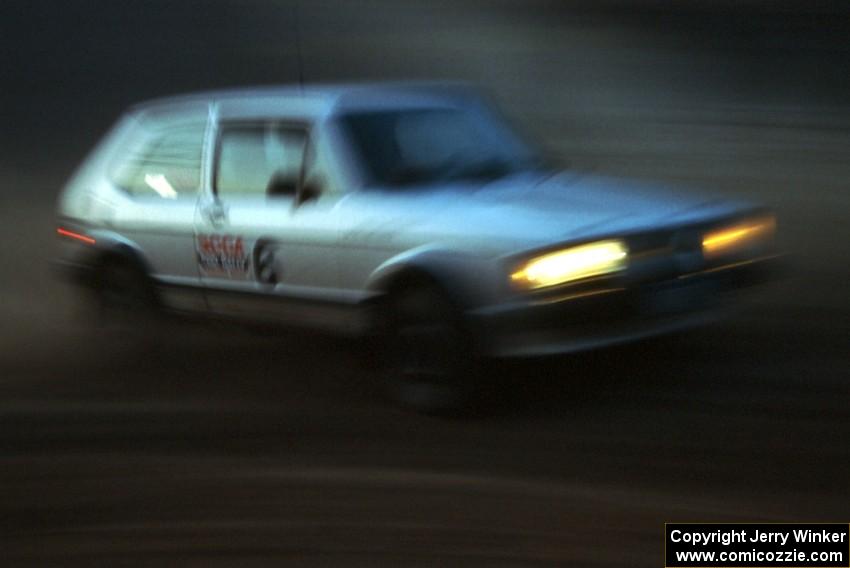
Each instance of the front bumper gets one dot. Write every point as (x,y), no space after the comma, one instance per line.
(609,315)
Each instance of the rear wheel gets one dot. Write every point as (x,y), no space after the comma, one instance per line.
(124,297)
(429,363)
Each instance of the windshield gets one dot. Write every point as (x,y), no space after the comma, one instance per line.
(421,146)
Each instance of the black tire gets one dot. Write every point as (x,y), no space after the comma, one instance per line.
(428,363)
(124,296)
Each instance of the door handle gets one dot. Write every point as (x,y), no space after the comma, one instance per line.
(216,213)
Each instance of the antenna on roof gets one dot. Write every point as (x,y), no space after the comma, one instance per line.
(298,54)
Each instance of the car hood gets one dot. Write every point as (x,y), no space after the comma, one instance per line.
(531,210)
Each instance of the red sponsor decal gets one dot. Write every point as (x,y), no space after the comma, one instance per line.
(222,252)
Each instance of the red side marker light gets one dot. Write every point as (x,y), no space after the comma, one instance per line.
(76,236)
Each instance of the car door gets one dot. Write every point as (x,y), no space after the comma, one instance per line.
(160,171)
(264,251)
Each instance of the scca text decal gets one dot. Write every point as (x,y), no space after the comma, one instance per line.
(222,253)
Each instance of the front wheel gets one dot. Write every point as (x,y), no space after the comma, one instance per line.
(429,364)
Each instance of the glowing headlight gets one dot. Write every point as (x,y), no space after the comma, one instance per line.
(738,236)
(576,263)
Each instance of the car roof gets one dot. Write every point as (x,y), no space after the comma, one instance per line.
(305,101)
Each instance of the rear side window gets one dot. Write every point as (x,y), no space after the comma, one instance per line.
(259,159)
(167,165)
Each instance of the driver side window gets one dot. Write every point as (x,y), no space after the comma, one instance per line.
(260,160)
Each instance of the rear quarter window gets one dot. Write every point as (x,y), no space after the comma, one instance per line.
(165,164)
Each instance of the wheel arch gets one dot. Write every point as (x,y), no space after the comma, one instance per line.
(451,272)
(110,248)
(115,248)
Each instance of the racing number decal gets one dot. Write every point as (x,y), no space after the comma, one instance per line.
(264,261)
(222,254)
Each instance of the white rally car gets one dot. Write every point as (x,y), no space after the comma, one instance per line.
(413,213)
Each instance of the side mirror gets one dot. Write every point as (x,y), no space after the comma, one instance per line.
(310,191)
(282,184)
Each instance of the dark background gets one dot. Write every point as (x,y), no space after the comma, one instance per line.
(213,446)
(565,59)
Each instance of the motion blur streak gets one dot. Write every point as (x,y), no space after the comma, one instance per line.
(223,447)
